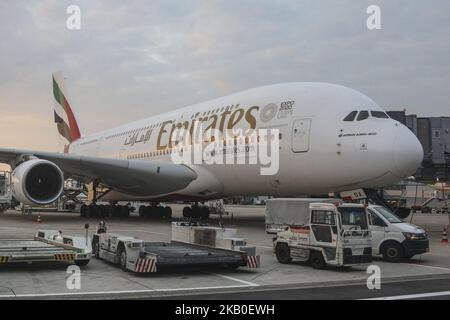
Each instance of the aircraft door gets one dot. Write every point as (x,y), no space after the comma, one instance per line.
(300,135)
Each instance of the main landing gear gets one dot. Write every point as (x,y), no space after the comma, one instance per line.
(153,211)
(94,210)
(196,211)
(103,211)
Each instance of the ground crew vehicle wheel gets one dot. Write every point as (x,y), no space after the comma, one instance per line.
(317,261)
(81,263)
(393,251)
(283,253)
(123,259)
(96,248)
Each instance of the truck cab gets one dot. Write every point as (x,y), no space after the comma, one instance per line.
(336,235)
(393,238)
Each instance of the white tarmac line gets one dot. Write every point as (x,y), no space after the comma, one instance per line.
(237,280)
(426,266)
(16,228)
(143,231)
(202,288)
(258,246)
(413,296)
(90,293)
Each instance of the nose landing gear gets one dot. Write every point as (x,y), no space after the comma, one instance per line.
(103,211)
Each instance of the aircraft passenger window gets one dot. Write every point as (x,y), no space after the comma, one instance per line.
(379,114)
(363,115)
(351,116)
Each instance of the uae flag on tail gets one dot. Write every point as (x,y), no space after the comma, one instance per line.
(64,116)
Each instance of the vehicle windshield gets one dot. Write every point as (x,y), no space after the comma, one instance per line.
(388,215)
(353,217)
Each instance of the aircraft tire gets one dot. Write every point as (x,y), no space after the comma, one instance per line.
(168,212)
(187,212)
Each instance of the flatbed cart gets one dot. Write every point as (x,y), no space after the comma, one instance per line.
(191,245)
(46,246)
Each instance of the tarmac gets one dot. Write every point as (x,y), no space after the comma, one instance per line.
(100,279)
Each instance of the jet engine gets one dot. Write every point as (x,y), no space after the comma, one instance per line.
(37,182)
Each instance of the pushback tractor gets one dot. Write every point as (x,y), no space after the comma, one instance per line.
(323,233)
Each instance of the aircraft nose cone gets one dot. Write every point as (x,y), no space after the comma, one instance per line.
(407,152)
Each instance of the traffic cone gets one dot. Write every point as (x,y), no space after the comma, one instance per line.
(444,236)
(39,220)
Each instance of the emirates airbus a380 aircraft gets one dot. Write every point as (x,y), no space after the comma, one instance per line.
(331,139)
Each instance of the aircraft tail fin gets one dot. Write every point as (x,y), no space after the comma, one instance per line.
(65,118)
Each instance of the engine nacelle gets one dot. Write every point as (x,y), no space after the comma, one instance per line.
(37,182)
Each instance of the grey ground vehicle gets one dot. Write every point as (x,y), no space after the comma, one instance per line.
(192,244)
(46,246)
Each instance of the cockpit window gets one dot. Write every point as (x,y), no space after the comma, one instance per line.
(363,115)
(379,114)
(351,116)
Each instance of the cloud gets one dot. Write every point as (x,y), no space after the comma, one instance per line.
(139,58)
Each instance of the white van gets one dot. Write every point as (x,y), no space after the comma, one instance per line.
(393,238)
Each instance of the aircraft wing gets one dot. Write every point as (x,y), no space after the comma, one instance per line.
(136,177)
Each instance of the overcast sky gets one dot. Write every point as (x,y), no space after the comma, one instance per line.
(133,59)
